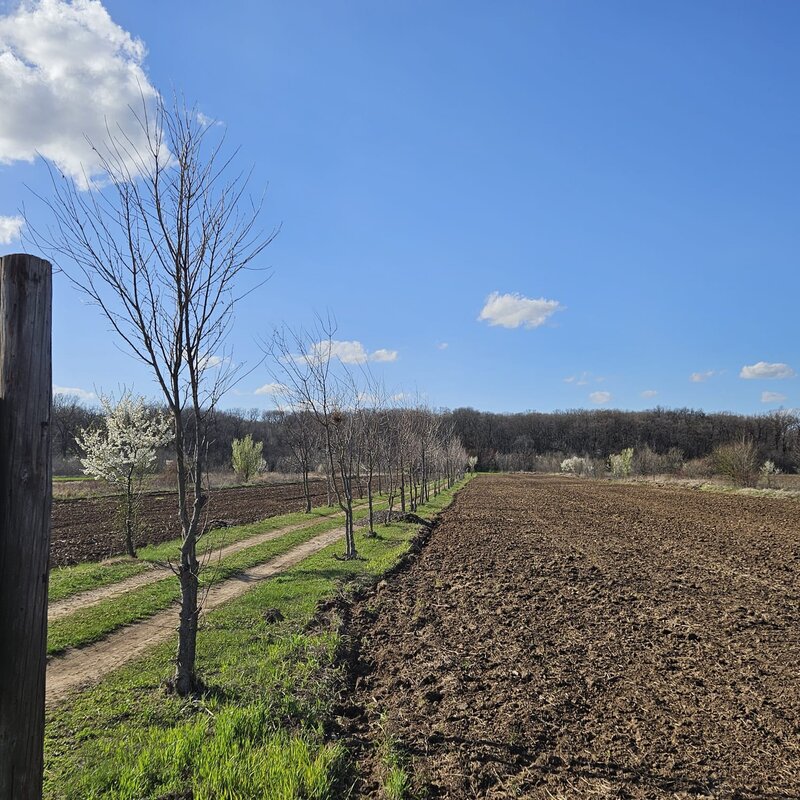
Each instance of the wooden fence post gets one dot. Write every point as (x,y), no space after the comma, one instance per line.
(25,497)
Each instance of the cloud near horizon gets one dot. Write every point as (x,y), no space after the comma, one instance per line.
(74,391)
(772,397)
(348,352)
(766,371)
(68,74)
(600,398)
(513,310)
(271,388)
(648,393)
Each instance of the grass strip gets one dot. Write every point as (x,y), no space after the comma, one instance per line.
(67,581)
(92,623)
(259,729)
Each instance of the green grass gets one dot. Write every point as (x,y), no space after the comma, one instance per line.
(257,732)
(90,624)
(67,581)
(396,780)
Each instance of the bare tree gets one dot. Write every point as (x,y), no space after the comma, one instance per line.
(371,430)
(158,246)
(318,382)
(302,440)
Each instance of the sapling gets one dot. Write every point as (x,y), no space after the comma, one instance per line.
(246,457)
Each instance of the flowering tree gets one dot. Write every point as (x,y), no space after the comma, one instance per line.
(123,451)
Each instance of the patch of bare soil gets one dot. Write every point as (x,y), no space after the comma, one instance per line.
(566,638)
(87,528)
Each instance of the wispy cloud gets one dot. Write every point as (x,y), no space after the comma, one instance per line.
(10,228)
(383,355)
(74,391)
(515,310)
(765,370)
(442,345)
(68,73)
(648,393)
(600,398)
(702,377)
(584,379)
(207,121)
(773,397)
(271,389)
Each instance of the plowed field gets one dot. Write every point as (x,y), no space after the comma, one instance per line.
(86,529)
(566,638)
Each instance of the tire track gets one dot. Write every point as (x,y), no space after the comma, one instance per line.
(80,668)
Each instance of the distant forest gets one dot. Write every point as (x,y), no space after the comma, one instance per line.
(521,441)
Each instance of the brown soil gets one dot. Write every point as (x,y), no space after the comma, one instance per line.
(84,666)
(86,529)
(566,638)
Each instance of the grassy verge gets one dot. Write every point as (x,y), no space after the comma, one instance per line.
(94,622)
(257,732)
(67,581)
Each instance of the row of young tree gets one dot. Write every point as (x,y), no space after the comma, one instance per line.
(165,246)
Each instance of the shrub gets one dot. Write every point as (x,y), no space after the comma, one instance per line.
(647,462)
(621,464)
(768,470)
(246,457)
(737,461)
(575,465)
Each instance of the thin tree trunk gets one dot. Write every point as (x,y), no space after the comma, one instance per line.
(369,500)
(306,489)
(402,488)
(129,548)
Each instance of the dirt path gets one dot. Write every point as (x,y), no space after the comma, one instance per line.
(87,665)
(563,638)
(63,608)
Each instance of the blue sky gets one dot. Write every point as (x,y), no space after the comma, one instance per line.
(636,165)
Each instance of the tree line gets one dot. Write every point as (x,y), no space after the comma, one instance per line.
(520,441)
(500,441)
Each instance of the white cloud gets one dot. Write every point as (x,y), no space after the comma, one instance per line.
(772,397)
(442,345)
(271,388)
(10,227)
(701,377)
(600,398)
(648,393)
(766,370)
(348,352)
(513,310)
(383,355)
(74,391)
(207,121)
(67,72)
(209,362)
